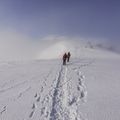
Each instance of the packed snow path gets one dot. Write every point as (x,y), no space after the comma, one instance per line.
(59,100)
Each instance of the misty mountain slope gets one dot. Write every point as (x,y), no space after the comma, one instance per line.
(93,51)
(86,88)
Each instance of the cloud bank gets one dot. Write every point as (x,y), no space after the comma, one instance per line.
(15,46)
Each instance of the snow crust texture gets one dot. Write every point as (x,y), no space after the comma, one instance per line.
(41,90)
(61,103)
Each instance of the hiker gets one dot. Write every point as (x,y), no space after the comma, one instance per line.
(68,56)
(64,59)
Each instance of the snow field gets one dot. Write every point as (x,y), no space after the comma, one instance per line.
(87,88)
(41,90)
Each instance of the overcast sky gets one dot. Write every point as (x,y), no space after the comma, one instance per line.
(85,18)
(37,19)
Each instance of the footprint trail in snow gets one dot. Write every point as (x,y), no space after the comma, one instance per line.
(62,103)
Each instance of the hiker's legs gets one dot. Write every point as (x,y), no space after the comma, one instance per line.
(64,62)
(68,59)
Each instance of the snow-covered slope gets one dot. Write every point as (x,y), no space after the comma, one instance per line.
(40,90)
(103,86)
(87,88)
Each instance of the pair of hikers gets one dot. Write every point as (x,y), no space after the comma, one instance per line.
(66,57)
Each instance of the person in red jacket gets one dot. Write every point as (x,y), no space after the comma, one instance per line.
(64,59)
(68,56)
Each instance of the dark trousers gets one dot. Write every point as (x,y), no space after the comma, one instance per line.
(68,59)
(64,61)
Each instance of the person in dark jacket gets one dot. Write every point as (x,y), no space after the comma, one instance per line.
(68,56)
(64,59)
